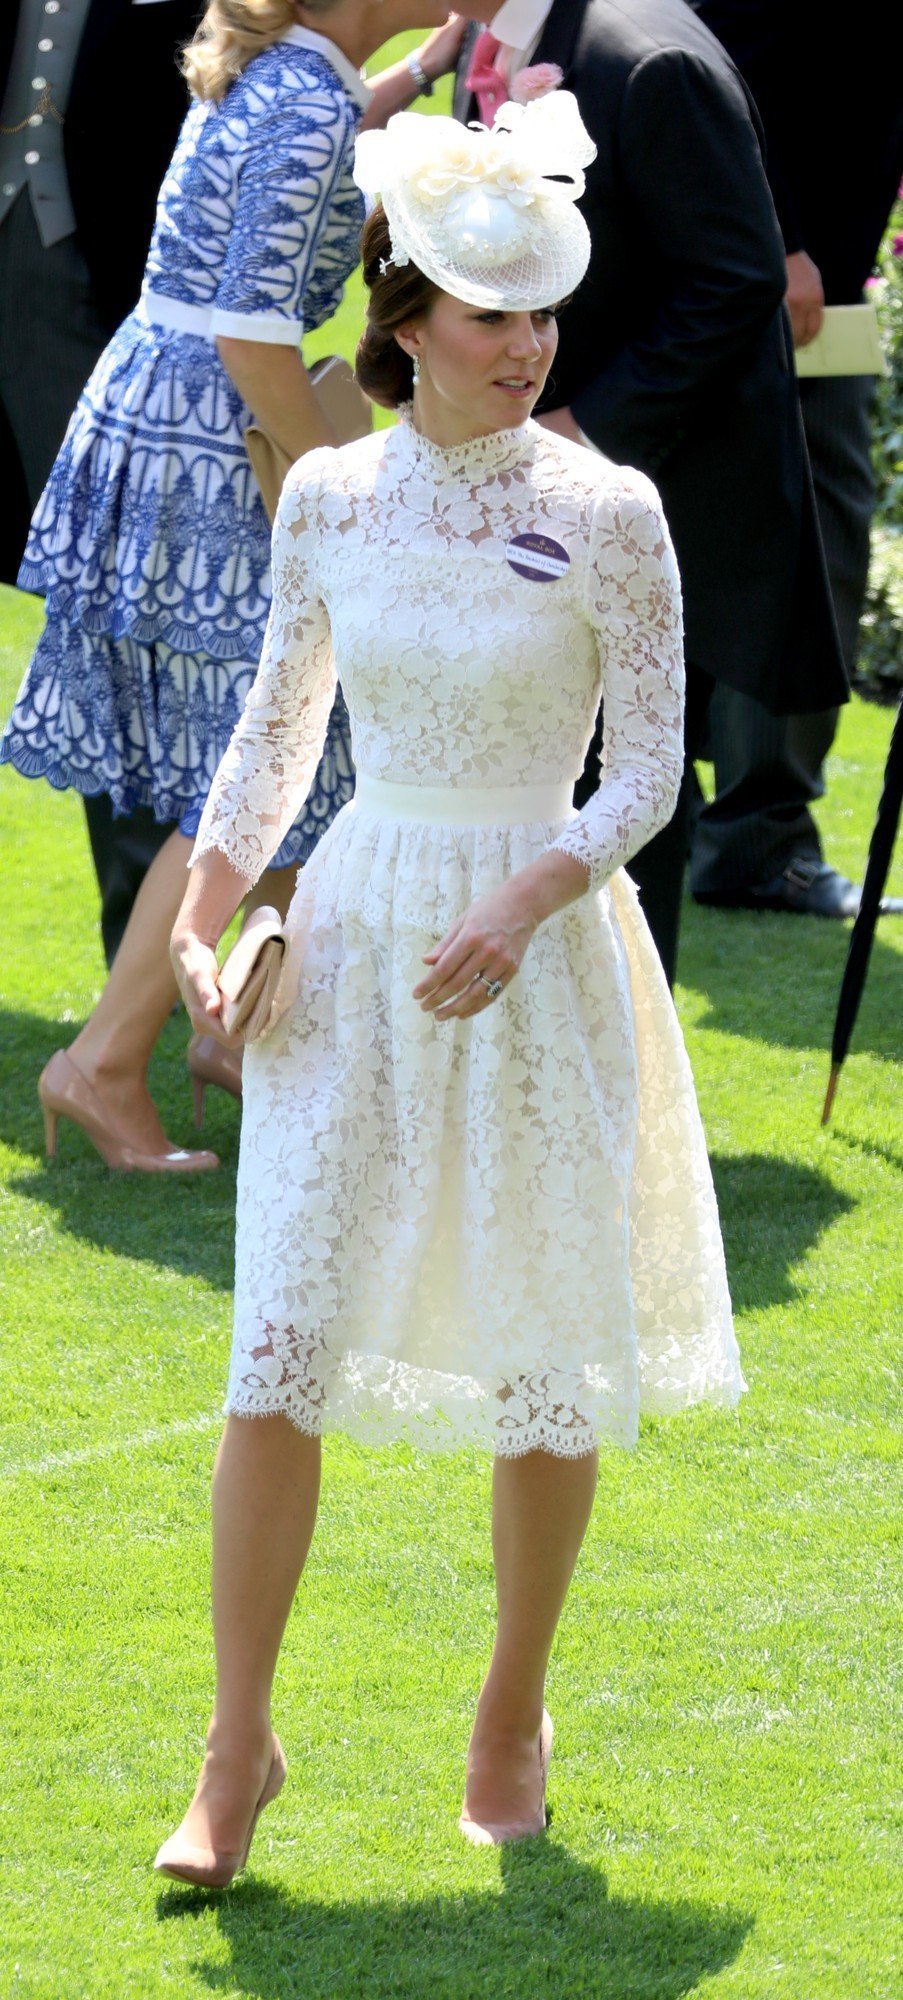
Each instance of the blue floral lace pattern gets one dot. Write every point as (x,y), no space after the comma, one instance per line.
(151,729)
(258,211)
(150,542)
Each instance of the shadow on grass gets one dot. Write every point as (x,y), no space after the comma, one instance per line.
(552,1929)
(871,1148)
(776,979)
(773,1213)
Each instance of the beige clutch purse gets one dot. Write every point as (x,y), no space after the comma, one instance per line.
(249,976)
(344,405)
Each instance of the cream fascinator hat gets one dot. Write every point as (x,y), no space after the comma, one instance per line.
(488,215)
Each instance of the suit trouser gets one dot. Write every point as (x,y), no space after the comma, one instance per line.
(50,339)
(768,769)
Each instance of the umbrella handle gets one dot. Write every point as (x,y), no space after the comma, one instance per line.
(829,1093)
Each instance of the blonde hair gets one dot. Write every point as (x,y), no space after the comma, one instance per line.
(231,34)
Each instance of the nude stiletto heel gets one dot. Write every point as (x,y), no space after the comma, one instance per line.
(210,1063)
(51,1120)
(493,1834)
(65,1093)
(204,1867)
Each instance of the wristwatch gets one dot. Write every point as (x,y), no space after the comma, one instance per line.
(424,83)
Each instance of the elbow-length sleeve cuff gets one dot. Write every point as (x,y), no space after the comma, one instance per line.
(270,328)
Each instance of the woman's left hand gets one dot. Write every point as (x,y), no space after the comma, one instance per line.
(489,940)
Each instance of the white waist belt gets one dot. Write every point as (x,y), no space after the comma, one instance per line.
(458,805)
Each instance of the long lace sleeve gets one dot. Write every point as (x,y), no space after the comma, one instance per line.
(633,603)
(269,767)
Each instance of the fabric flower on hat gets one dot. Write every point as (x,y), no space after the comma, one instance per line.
(487,214)
(455,166)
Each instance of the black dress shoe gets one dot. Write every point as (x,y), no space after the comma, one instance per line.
(807,887)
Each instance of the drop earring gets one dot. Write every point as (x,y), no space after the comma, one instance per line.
(415,367)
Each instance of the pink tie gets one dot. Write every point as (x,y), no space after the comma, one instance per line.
(487,83)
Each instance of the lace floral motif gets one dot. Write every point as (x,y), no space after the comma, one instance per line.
(456,668)
(501,1230)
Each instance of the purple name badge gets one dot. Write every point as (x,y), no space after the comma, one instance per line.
(538,558)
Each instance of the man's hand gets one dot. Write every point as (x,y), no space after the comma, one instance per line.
(805,298)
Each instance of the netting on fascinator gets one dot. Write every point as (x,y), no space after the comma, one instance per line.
(488,214)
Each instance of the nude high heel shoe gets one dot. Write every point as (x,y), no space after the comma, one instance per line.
(203,1866)
(209,1062)
(489,1834)
(65,1093)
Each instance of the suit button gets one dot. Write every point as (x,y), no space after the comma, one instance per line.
(31,159)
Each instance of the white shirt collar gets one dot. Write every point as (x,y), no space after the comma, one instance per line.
(519,23)
(307,38)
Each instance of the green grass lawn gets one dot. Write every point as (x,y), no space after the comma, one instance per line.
(724,1681)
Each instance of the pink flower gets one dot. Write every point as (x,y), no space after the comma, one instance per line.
(897,245)
(529,84)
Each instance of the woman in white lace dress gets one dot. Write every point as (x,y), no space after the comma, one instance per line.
(474,1200)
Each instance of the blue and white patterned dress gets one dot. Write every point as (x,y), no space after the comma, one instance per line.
(150,542)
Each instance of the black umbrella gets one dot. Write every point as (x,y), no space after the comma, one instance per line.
(881,848)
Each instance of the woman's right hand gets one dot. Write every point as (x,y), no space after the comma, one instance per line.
(195,967)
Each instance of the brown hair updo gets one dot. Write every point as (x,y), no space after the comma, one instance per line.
(383,369)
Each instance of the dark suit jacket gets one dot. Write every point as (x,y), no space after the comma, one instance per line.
(831,103)
(675,354)
(125,108)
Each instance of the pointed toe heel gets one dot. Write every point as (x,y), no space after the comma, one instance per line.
(494,1833)
(65,1093)
(205,1867)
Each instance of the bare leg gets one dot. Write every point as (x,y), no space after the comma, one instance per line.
(117,1041)
(266,1486)
(540,1512)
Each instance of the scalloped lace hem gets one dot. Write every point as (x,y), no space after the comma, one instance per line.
(444,1431)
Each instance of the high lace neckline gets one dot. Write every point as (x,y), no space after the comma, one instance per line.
(493,451)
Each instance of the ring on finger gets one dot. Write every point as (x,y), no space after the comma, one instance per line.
(493,986)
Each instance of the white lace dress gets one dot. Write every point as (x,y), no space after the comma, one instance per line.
(501,1230)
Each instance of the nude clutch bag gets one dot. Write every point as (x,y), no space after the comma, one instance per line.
(342,402)
(249,976)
